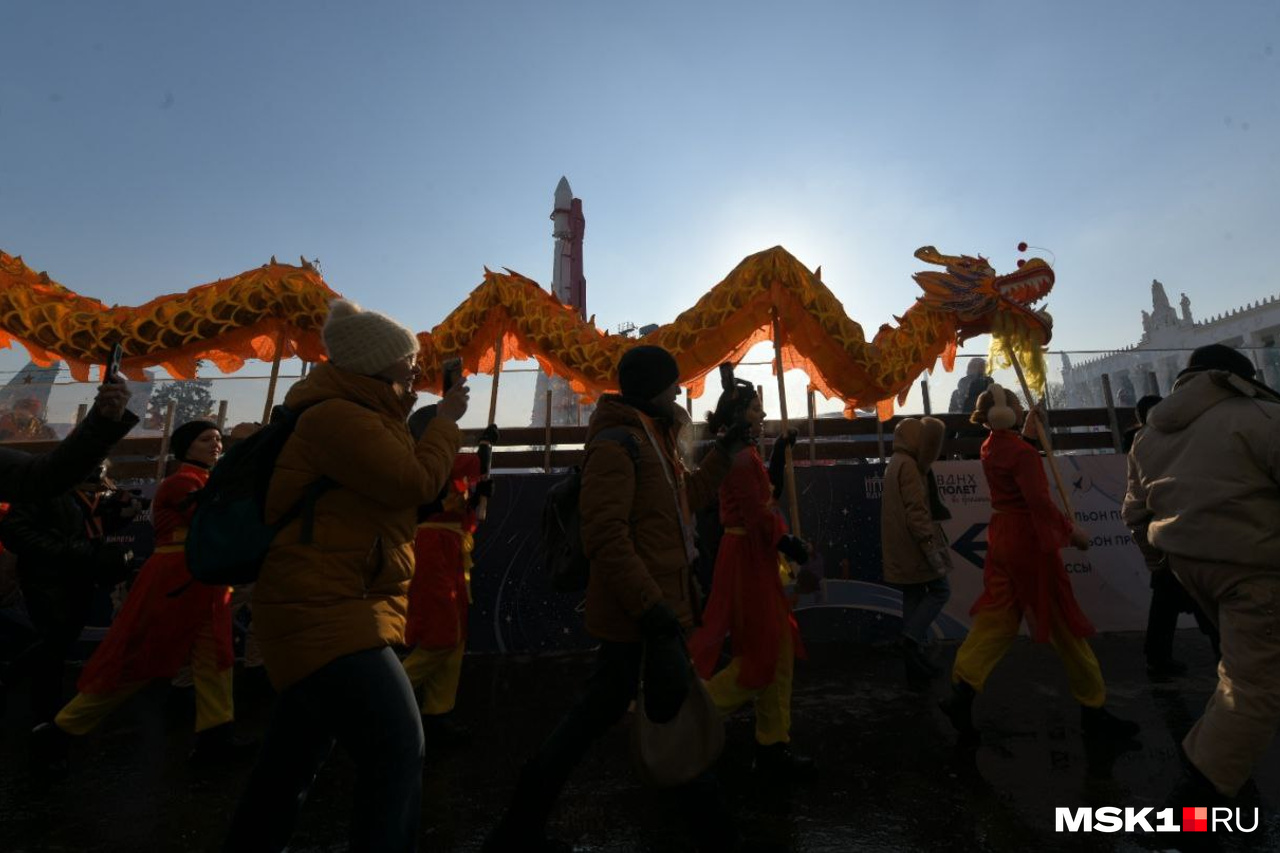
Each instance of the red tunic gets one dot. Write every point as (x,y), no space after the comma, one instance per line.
(440,590)
(1023,569)
(747,601)
(166,608)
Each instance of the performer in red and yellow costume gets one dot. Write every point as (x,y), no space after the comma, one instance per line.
(748,603)
(440,591)
(1023,576)
(169,619)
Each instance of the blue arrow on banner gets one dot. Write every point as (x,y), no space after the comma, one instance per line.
(969,546)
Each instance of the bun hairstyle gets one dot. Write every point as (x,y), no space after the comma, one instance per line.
(996,408)
(736,396)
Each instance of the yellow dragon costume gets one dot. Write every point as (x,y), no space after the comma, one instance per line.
(279,307)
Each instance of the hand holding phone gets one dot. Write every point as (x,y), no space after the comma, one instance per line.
(113,361)
(451,370)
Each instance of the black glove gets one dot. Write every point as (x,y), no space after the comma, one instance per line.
(667,672)
(110,564)
(778,460)
(735,439)
(490,434)
(794,549)
(482,491)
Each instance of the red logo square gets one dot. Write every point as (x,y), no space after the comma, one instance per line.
(1195,819)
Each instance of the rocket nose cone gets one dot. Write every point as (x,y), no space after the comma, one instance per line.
(564,195)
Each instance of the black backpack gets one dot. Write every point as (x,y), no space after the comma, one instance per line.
(229,535)
(567,566)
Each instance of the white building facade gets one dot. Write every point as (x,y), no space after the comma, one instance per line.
(1168,337)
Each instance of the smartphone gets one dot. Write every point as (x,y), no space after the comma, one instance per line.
(113,361)
(452,370)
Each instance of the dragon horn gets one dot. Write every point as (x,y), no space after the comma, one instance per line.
(930,255)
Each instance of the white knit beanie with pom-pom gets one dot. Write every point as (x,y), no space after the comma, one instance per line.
(365,342)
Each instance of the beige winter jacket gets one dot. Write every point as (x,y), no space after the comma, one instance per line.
(1204,475)
(907,529)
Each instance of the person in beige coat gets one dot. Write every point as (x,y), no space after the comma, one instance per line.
(1204,490)
(331,599)
(912,545)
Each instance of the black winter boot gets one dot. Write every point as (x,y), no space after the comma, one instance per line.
(443,732)
(221,744)
(523,828)
(959,708)
(1102,724)
(920,670)
(50,752)
(777,761)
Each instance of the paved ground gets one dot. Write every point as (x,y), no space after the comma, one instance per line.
(891,776)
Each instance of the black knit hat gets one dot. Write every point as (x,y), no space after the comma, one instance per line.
(1220,357)
(645,372)
(184,436)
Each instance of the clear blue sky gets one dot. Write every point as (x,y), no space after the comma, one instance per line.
(151,146)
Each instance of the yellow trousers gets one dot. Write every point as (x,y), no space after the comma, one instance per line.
(214,703)
(992,634)
(772,702)
(437,672)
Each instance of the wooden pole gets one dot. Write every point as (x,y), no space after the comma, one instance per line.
(161,462)
(924,395)
(1043,435)
(879,434)
(546,457)
(813,408)
(1153,382)
(688,403)
(1109,399)
(275,376)
(497,377)
(222,415)
(81,411)
(793,500)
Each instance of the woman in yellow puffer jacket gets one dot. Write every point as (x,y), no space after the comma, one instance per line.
(331,599)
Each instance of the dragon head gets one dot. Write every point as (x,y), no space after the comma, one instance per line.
(983,301)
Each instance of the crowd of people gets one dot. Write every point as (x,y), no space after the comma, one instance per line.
(360,606)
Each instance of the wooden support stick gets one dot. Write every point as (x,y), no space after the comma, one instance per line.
(169,412)
(222,415)
(879,434)
(1112,417)
(813,408)
(924,395)
(793,500)
(546,457)
(81,411)
(1043,435)
(497,377)
(275,376)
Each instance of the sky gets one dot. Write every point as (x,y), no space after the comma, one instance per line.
(149,147)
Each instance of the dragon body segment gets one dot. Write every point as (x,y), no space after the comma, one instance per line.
(281,308)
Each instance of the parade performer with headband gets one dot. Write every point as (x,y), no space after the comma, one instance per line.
(440,591)
(168,619)
(1023,576)
(748,603)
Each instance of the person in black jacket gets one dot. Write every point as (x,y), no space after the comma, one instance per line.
(62,555)
(24,477)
